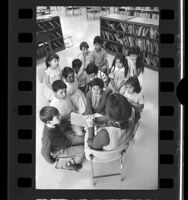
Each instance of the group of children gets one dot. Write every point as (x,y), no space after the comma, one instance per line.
(90,86)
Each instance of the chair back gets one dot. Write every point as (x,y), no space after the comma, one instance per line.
(103,155)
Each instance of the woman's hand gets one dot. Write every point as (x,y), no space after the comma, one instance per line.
(90,120)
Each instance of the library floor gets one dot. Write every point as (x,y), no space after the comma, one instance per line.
(141,162)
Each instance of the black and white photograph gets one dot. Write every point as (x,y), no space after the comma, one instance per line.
(97,98)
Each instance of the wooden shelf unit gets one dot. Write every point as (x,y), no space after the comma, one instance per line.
(51,28)
(125,32)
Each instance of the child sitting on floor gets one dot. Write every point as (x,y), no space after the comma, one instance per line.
(76,95)
(136,63)
(99,55)
(80,74)
(118,129)
(119,73)
(93,72)
(134,95)
(85,54)
(57,143)
(96,98)
(63,103)
(52,73)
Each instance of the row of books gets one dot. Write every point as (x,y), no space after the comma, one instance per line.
(150,32)
(147,45)
(57,44)
(151,60)
(55,35)
(109,46)
(47,25)
(130,41)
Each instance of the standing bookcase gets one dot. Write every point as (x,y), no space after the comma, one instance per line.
(125,32)
(49,33)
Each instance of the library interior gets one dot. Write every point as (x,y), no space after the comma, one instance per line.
(109,50)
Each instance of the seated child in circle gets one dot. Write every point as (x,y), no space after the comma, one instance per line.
(119,128)
(119,74)
(55,142)
(64,104)
(96,98)
(80,74)
(85,54)
(52,73)
(99,55)
(134,95)
(136,63)
(76,95)
(93,72)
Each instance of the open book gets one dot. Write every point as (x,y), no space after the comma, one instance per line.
(79,120)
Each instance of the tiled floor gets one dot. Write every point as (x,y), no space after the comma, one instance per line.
(141,163)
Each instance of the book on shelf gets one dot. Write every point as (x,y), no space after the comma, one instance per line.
(103,34)
(112,37)
(52,25)
(112,26)
(57,23)
(107,35)
(58,34)
(122,27)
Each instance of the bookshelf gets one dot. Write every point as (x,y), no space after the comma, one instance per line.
(125,32)
(49,27)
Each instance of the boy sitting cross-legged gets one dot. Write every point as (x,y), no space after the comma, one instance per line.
(58,143)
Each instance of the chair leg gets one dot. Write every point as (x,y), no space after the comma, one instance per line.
(92,171)
(121,164)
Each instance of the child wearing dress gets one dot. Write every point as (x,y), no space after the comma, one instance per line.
(93,72)
(80,74)
(118,74)
(52,73)
(119,127)
(56,142)
(85,54)
(99,55)
(136,63)
(96,98)
(76,95)
(134,95)
(63,103)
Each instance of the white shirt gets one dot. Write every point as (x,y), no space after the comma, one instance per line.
(137,98)
(64,106)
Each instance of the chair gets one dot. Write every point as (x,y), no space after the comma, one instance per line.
(93,10)
(96,156)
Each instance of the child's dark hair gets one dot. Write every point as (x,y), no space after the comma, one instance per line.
(134,50)
(85,45)
(91,68)
(133,81)
(123,60)
(66,71)
(50,57)
(98,40)
(76,63)
(57,85)
(118,109)
(97,81)
(140,62)
(47,113)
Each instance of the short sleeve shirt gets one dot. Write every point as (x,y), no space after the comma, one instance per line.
(137,98)
(99,58)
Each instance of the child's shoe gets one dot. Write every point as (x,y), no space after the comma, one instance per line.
(71,166)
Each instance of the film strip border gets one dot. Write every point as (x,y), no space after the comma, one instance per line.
(21,118)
